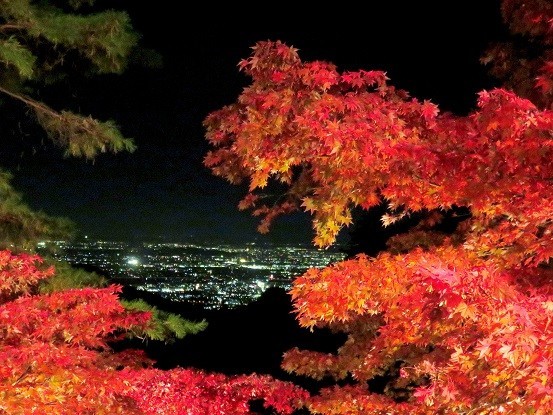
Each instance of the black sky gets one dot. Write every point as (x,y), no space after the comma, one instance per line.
(162,191)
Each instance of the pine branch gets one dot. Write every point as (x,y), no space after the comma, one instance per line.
(81,136)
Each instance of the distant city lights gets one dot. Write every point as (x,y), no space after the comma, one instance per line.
(210,276)
(133,261)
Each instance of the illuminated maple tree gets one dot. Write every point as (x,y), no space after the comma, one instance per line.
(457,322)
(58,357)
(57,333)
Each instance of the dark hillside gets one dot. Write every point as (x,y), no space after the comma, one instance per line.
(238,341)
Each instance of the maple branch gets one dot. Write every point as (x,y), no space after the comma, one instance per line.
(23,375)
(489,404)
(416,176)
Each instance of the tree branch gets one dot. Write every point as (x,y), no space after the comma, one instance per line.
(39,106)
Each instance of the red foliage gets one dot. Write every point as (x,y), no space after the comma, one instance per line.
(19,274)
(457,323)
(56,358)
(526,65)
(191,392)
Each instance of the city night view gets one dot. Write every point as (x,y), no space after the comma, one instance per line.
(276,209)
(211,276)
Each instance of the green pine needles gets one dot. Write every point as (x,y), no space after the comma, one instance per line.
(164,326)
(39,45)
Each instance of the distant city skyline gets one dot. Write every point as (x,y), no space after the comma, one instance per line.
(211,276)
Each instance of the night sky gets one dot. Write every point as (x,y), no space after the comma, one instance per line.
(162,191)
